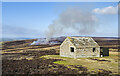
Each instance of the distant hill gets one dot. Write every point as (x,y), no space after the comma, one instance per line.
(12,39)
(109,42)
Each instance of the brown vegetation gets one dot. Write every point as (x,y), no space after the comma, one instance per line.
(19,57)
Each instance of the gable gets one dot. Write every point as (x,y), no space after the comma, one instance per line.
(66,40)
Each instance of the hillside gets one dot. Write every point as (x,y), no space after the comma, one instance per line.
(111,43)
(19,57)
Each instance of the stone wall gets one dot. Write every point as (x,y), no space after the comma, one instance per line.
(65,49)
(88,52)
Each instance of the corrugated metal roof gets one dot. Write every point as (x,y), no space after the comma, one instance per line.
(80,42)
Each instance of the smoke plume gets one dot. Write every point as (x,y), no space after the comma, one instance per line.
(83,22)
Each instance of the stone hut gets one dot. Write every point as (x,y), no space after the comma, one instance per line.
(78,47)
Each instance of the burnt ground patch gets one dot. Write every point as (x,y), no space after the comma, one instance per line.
(104,72)
(79,67)
(84,70)
(100,60)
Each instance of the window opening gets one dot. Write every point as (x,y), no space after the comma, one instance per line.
(72,49)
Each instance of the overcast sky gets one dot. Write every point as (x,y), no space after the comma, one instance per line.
(31,19)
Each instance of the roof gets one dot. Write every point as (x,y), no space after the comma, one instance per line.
(83,42)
